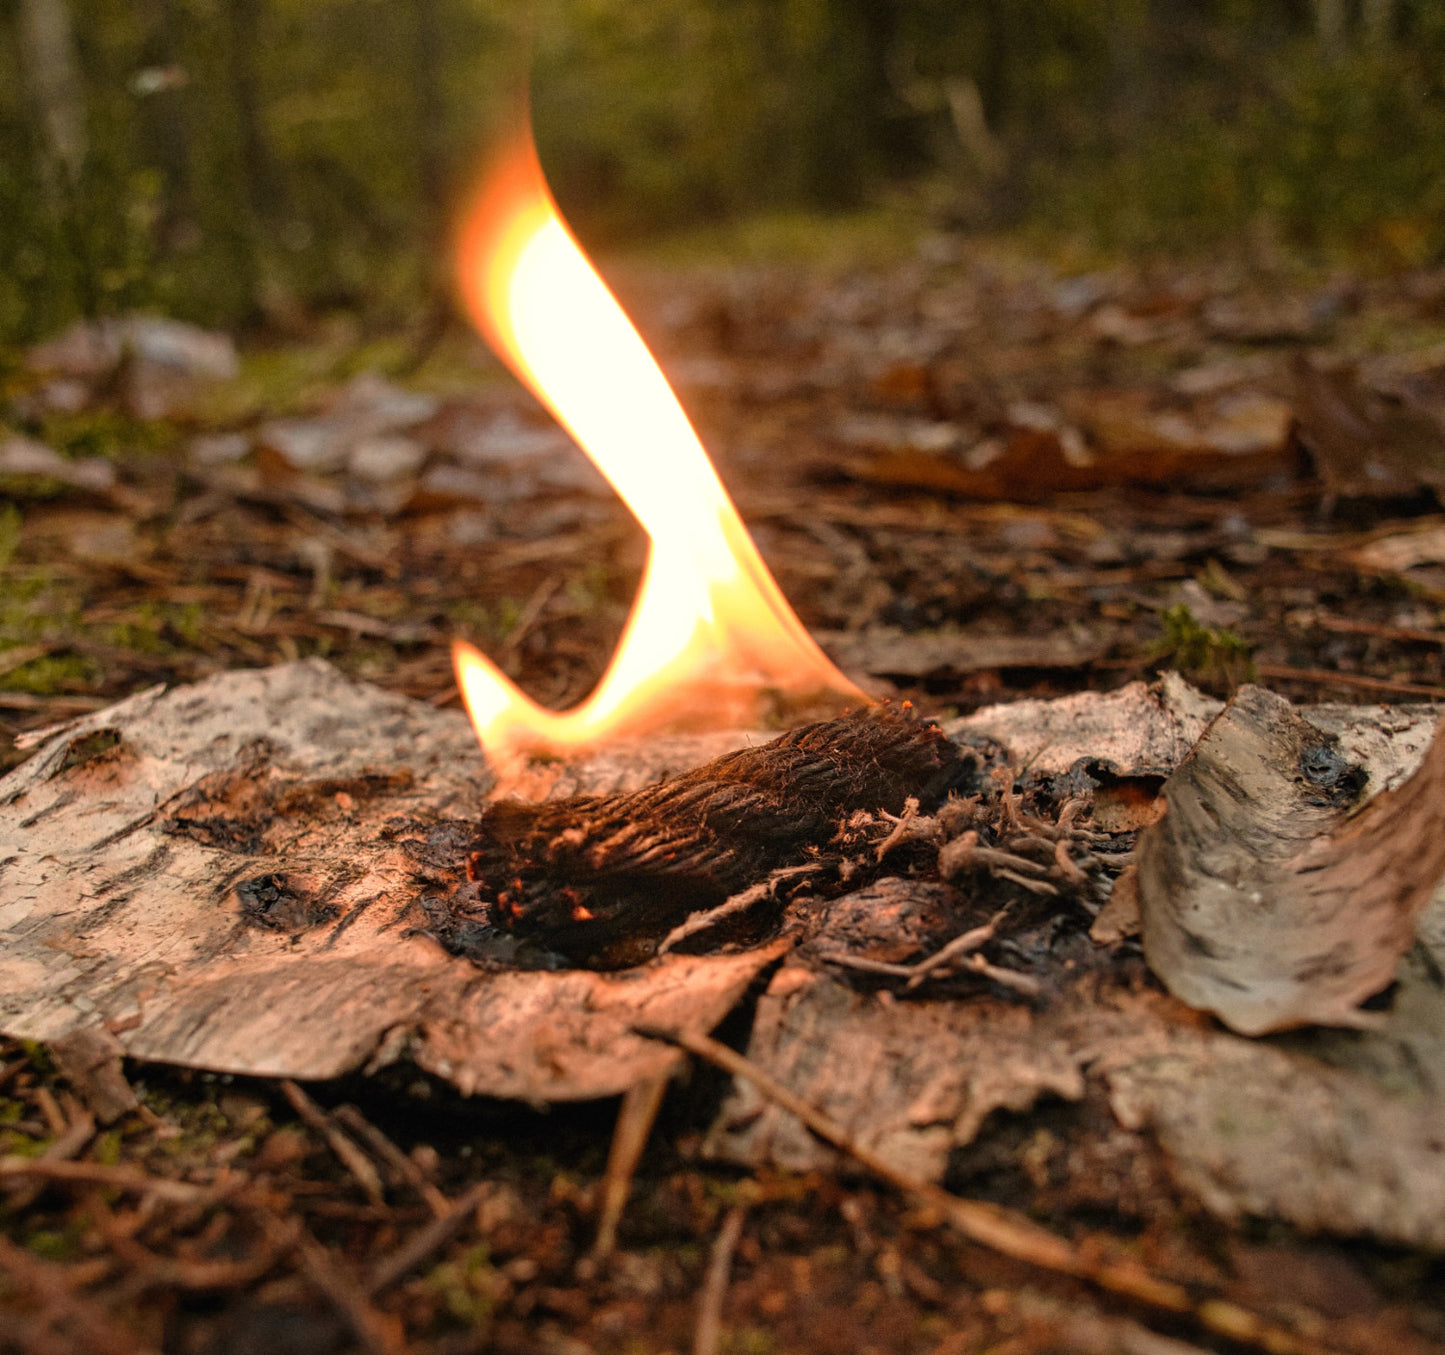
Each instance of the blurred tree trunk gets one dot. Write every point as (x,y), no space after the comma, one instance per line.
(428,56)
(1330,25)
(1124,26)
(1378,17)
(431,136)
(997,65)
(166,121)
(258,165)
(52,78)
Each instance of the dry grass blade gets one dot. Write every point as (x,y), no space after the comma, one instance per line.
(1004,1230)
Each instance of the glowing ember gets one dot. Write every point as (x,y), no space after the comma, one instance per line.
(710,634)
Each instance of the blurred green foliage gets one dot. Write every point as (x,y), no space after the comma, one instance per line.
(265,159)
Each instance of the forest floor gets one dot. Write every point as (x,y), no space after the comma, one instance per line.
(976,478)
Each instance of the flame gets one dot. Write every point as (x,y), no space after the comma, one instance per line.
(710,632)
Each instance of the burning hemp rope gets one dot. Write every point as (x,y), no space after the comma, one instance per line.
(599,879)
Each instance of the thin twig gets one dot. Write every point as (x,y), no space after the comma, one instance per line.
(962,944)
(55,1118)
(145,1270)
(103,1174)
(902,826)
(1008,978)
(707,1335)
(403,1168)
(942,960)
(738,903)
(376,1333)
(352,1158)
(992,856)
(531,612)
(1033,886)
(866,966)
(635,1118)
(91,1327)
(1323,677)
(425,1241)
(72,1141)
(1005,978)
(1005,1230)
(1066,865)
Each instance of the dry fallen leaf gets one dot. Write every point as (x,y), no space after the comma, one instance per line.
(25,459)
(1399,552)
(1367,442)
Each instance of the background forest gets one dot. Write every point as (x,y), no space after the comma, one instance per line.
(244,161)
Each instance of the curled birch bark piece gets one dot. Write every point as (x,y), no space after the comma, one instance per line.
(1268,895)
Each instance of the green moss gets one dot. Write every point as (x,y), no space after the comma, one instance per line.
(750,1341)
(53,673)
(487,624)
(37,1056)
(35,607)
(468,1286)
(143,630)
(107,433)
(187,621)
(1213,658)
(591,590)
(59,1244)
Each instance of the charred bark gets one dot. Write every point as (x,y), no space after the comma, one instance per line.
(592,877)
